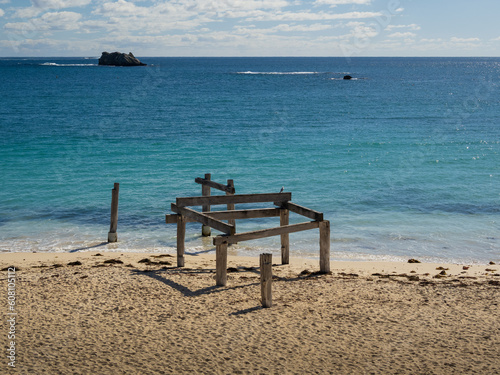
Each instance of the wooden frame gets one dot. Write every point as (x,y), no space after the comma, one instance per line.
(207,184)
(212,219)
(233,199)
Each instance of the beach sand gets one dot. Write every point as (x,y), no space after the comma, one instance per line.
(112,314)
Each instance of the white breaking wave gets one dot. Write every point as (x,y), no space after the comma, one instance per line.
(282,73)
(55,64)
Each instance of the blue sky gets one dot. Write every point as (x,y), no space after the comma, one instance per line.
(250,27)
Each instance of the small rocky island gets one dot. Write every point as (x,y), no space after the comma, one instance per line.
(119,59)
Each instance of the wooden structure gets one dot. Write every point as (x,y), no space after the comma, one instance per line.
(213,219)
(206,184)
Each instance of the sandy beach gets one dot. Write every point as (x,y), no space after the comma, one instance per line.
(136,313)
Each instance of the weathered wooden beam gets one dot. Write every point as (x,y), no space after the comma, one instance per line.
(324,246)
(285,238)
(181,236)
(221,264)
(245,214)
(230,206)
(266,279)
(112,236)
(172,219)
(204,219)
(233,199)
(206,231)
(246,236)
(207,182)
(254,213)
(301,210)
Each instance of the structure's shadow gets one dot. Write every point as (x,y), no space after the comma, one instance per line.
(199,252)
(162,276)
(246,311)
(88,247)
(159,275)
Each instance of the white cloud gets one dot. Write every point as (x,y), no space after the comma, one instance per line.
(52,21)
(412,26)
(2,12)
(40,6)
(59,4)
(281,28)
(435,40)
(402,35)
(342,2)
(309,16)
(464,40)
(305,28)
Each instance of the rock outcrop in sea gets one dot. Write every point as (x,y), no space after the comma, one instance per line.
(119,59)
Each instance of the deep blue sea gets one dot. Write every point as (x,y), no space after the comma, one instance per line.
(404,160)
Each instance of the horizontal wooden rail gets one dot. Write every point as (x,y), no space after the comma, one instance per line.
(246,236)
(203,218)
(215,185)
(227,215)
(233,199)
(301,210)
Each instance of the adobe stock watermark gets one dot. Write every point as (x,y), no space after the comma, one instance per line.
(364,37)
(11,317)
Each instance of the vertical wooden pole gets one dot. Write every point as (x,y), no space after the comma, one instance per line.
(266,279)
(181,236)
(112,236)
(285,238)
(221,264)
(205,191)
(230,183)
(324,246)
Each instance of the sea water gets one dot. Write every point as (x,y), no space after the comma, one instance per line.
(404,159)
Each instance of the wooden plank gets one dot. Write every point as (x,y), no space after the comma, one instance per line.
(233,199)
(285,237)
(221,264)
(324,246)
(171,219)
(246,236)
(301,210)
(205,191)
(245,214)
(266,279)
(214,185)
(230,207)
(112,236)
(255,213)
(204,219)
(181,236)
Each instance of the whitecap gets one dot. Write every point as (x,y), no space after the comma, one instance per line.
(282,73)
(56,64)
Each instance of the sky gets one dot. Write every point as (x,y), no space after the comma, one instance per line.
(344,28)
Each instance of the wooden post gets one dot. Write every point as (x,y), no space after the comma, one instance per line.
(266,279)
(221,264)
(205,191)
(112,236)
(230,206)
(181,236)
(285,238)
(324,246)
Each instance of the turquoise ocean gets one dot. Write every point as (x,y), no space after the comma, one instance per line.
(404,159)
